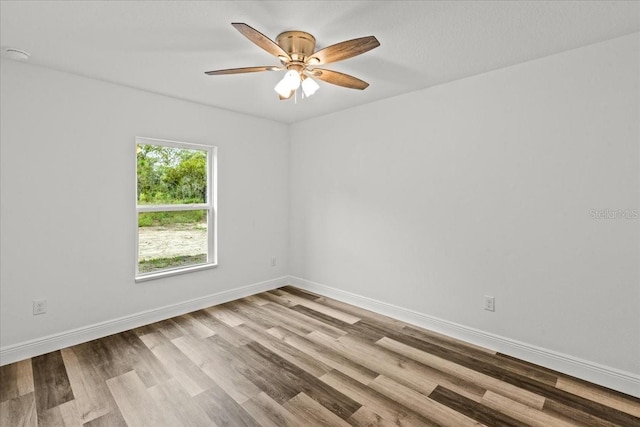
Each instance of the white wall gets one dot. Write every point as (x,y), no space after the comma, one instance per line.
(483,186)
(68,200)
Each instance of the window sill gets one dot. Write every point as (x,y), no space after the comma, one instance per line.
(169,273)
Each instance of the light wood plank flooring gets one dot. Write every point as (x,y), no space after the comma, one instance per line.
(291,358)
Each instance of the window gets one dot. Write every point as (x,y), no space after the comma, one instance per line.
(175,208)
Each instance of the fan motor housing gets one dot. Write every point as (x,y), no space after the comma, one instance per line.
(297,44)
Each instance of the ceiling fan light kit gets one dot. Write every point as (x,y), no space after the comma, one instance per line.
(295,50)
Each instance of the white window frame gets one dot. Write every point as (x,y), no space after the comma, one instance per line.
(210,207)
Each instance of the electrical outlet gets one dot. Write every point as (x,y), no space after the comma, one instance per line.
(273,261)
(39,306)
(489,303)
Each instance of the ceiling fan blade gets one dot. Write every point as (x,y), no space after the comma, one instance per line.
(243,70)
(340,79)
(344,50)
(261,40)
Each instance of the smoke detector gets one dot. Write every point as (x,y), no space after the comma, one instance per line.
(15,54)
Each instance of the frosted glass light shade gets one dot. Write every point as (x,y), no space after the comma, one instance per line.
(293,79)
(289,83)
(309,86)
(283,88)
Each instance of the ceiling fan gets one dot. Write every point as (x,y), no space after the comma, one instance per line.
(295,50)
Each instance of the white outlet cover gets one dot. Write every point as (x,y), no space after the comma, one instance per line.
(489,303)
(39,306)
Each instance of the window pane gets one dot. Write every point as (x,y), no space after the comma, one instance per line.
(171,239)
(169,175)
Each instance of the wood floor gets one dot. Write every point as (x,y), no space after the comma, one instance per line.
(291,358)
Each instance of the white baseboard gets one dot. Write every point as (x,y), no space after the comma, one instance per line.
(36,347)
(615,379)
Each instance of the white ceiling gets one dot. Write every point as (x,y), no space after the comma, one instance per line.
(165,46)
